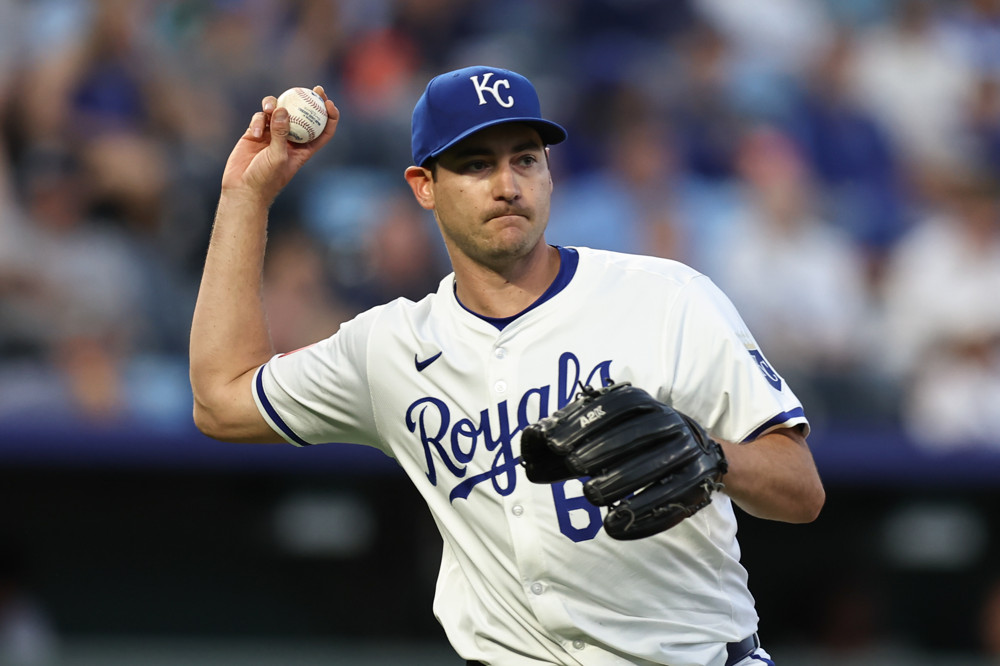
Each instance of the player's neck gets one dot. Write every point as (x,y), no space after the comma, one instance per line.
(505,293)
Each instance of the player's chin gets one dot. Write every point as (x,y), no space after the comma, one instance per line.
(515,240)
(503,248)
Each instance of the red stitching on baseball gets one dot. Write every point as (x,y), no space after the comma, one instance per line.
(309,99)
(310,132)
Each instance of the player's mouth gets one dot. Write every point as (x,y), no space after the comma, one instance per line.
(507,216)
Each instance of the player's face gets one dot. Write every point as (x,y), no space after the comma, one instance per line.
(491,195)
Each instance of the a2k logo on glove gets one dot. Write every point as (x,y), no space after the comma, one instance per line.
(591,416)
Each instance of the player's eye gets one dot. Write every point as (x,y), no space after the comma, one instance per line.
(527,160)
(475,166)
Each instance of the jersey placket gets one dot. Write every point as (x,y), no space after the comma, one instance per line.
(523,506)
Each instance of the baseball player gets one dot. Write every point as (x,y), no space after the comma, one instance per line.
(446,386)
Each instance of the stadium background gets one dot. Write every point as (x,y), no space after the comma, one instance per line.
(832,164)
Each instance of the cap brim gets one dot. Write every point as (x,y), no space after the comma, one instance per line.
(550,132)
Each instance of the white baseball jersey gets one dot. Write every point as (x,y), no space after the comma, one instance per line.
(527,574)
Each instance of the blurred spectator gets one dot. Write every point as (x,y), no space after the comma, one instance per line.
(859,12)
(982,142)
(212,62)
(773,43)
(318,34)
(340,207)
(778,35)
(9,25)
(102,80)
(798,281)
(859,185)
(404,256)
(104,100)
(19,285)
(972,29)
(377,70)
(704,112)
(81,312)
(627,204)
(301,304)
(435,26)
(943,318)
(918,87)
(89,276)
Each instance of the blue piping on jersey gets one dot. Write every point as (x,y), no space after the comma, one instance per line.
(569,260)
(770,423)
(269,408)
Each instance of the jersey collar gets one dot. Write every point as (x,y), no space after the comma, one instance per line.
(569,259)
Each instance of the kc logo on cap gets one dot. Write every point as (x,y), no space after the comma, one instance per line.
(457,104)
(480,87)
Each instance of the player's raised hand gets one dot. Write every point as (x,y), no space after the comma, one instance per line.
(264,160)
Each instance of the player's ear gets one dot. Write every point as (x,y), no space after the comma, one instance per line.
(421,181)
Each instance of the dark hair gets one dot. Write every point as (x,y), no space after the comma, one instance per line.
(431,163)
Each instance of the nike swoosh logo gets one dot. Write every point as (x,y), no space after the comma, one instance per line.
(423,364)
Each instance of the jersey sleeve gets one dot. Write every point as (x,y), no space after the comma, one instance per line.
(320,393)
(721,377)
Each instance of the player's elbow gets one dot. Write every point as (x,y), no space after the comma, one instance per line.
(209,422)
(819,501)
(232,417)
(797,504)
(214,417)
(226,410)
(810,504)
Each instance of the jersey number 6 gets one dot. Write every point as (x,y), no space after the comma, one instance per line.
(578,509)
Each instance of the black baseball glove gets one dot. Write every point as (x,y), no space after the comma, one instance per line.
(651,465)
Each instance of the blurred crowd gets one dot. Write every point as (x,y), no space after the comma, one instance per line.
(832,164)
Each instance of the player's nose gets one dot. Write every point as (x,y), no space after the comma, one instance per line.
(505,185)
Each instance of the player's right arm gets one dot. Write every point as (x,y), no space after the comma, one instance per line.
(229,335)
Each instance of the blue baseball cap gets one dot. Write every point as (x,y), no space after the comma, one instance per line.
(458,104)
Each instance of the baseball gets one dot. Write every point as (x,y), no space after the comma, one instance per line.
(307,114)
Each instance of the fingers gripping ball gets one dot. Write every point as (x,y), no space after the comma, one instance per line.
(649,464)
(306,114)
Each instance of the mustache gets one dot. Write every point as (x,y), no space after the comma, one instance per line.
(508,210)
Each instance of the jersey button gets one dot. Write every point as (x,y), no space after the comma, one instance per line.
(500,386)
(517,509)
(579,645)
(537,588)
(500,352)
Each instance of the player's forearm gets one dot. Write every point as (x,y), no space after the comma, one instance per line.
(774,477)
(229,335)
